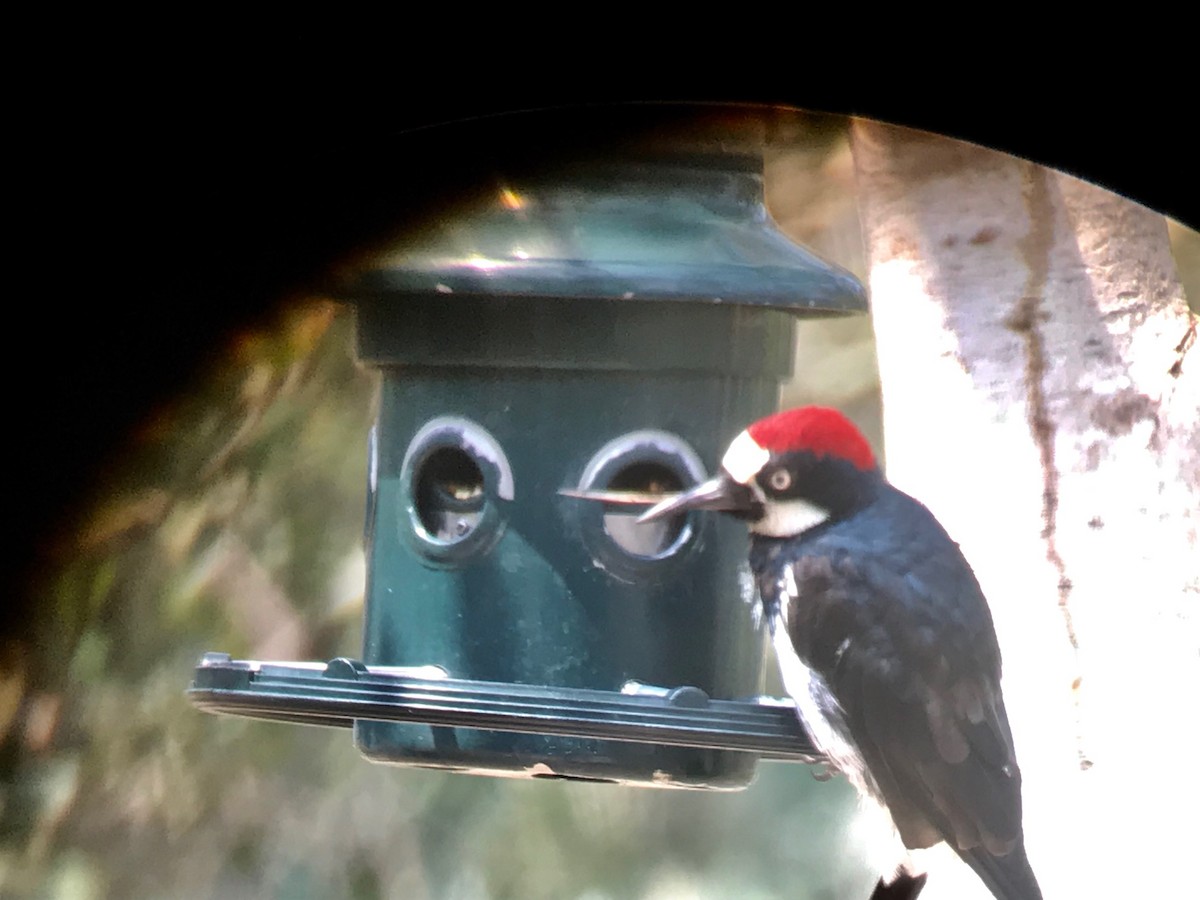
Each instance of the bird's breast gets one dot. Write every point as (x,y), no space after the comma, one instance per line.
(820,713)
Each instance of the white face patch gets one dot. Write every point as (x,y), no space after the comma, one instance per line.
(786,518)
(744,458)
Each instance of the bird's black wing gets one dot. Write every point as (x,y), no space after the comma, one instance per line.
(899,630)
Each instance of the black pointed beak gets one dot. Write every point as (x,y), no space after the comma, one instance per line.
(722,494)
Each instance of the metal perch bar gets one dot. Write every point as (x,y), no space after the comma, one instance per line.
(343,690)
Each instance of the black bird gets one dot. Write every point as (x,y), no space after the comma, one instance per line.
(884,639)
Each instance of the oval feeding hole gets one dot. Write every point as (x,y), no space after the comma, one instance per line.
(449,494)
(650,538)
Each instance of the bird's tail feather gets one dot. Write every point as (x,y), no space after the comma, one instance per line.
(1008,877)
(902,887)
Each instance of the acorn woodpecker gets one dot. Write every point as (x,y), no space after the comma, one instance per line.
(883,636)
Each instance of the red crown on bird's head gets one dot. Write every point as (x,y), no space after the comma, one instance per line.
(817,429)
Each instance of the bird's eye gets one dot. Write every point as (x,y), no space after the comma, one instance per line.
(780,479)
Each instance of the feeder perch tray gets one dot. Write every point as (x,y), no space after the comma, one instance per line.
(343,690)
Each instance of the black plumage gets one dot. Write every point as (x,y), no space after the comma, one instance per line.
(880,603)
(884,638)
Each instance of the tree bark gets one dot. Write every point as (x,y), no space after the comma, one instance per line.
(1040,398)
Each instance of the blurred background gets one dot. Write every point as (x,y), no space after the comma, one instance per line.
(233,522)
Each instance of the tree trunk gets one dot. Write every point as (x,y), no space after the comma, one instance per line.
(1039,397)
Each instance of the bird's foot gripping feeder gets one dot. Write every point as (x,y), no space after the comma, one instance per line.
(598,330)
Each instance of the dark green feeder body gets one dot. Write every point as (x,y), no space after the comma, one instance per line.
(606,328)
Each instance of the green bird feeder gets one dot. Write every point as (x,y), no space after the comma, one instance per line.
(599,330)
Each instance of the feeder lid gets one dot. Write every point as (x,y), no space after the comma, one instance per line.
(686,227)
